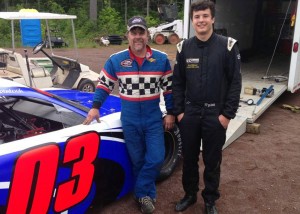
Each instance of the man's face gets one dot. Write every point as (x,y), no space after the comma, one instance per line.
(138,39)
(202,22)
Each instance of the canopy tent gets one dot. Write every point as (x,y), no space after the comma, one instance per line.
(12,16)
(38,15)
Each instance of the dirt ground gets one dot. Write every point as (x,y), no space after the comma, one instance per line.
(260,172)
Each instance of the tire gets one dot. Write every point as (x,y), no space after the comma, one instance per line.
(115,40)
(86,85)
(159,39)
(173,146)
(173,38)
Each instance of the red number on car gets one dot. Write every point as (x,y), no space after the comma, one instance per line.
(81,152)
(33,181)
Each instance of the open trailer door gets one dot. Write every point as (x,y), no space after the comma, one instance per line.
(294,74)
(264,61)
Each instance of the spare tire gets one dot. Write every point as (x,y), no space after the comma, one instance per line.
(173,39)
(173,147)
(159,38)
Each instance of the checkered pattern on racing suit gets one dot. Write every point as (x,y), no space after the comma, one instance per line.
(136,83)
(141,117)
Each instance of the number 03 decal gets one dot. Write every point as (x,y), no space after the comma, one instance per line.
(33,182)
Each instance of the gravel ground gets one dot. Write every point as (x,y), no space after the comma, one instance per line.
(260,172)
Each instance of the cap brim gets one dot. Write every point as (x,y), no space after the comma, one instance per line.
(133,26)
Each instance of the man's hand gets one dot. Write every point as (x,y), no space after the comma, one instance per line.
(93,114)
(179,117)
(169,121)
(224,121)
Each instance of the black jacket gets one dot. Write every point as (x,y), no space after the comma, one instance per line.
(208,72)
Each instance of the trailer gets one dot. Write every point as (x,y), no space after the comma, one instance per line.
(268,34)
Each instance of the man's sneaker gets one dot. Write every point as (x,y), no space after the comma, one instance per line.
(210,209)
(146,205)
(137,200)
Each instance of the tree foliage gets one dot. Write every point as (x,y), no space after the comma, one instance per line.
(110,22)
(111,16)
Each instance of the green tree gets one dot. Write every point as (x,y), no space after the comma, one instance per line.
(110,22)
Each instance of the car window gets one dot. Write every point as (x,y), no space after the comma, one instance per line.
(22,117)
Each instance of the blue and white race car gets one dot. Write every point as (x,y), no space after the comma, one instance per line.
(51,163)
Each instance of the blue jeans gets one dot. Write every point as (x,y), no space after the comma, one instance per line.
(145,145)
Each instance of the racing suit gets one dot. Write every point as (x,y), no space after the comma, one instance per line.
(141,117)
(206,84)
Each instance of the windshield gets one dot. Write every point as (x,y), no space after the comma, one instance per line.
(22,117)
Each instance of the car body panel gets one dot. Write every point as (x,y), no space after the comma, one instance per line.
(69,169)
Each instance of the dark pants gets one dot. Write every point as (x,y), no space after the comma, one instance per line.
(202,124)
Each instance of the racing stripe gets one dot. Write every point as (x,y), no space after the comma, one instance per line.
(4,185)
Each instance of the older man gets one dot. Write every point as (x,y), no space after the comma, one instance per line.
(141,72)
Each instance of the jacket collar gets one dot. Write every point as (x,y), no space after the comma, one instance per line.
(207,42)
(148,53)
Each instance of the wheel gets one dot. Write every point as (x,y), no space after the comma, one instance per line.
(86,85)
(159,39)
(173,38)
(173,146)
(38,47)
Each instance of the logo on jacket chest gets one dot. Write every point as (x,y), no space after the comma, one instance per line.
(126,63)
(192,63)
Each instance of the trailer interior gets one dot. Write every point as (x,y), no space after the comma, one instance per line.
(268,36)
